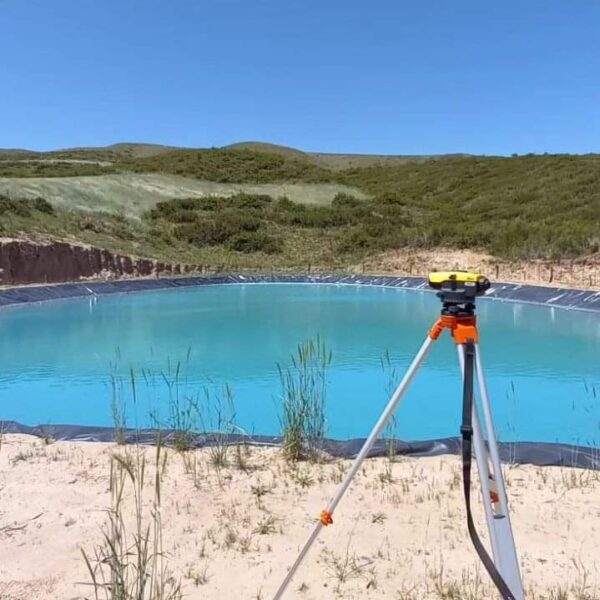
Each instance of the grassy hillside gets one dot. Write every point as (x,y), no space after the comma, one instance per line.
(267,148)
(335,211)
(132,194)
(328,160)
(231,166)
(521,207)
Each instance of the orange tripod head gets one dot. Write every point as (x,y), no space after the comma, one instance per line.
(458,291)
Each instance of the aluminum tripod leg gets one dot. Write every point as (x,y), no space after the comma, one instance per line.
(492,486)
(360,457)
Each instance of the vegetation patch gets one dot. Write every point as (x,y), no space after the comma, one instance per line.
(231,166)
(24,207)
(517,208)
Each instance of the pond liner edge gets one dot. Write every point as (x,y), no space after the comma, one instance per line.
(580,300)
(542,454)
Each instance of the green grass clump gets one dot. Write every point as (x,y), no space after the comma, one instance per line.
(303,397)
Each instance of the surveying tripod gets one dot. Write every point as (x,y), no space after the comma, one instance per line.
(457,291)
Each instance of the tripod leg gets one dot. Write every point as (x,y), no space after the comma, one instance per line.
(360,457)
(506,559)
(492,488)
(483,465)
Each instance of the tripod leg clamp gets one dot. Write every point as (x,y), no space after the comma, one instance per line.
(326,518)
(466,430)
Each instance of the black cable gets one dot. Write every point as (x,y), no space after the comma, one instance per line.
(467,444)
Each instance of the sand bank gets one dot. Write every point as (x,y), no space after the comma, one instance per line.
(231,532)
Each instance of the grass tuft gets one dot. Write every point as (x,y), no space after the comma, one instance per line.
(304,385)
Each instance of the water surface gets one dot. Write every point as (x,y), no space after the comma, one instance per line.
(56,358)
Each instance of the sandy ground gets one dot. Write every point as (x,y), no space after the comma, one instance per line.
(132,194)
(232,532)
(582,273)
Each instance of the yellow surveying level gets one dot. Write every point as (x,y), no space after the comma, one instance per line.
(458,290)
(459,280)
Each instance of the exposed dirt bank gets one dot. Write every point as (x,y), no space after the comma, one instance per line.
(23,262)
(582,273)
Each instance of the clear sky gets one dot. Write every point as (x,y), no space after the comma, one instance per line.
(372,76)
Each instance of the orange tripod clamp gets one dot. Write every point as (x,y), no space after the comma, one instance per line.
(462,328)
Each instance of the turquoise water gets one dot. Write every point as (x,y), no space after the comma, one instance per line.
(56,359)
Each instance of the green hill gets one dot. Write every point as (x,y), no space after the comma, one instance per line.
(267,148)
(328,160)
(224,205)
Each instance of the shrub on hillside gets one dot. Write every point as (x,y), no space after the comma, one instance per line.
(390,198)
(182,210)
(42,205)
(248,201)
(284,203)
(23,207)
(177,210)
(255,241)
(354,240)
(218,229)
(231,166)
(16,207)
(302,215)
(342,200)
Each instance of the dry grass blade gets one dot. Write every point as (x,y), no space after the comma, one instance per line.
(130,566)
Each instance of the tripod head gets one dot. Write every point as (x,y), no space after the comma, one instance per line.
(458,290)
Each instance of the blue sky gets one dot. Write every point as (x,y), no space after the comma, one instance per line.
(378,76)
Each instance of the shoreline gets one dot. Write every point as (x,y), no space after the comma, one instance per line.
(541,454)
(567,298)
(231,529)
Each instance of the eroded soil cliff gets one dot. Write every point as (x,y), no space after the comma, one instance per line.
(23,261)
